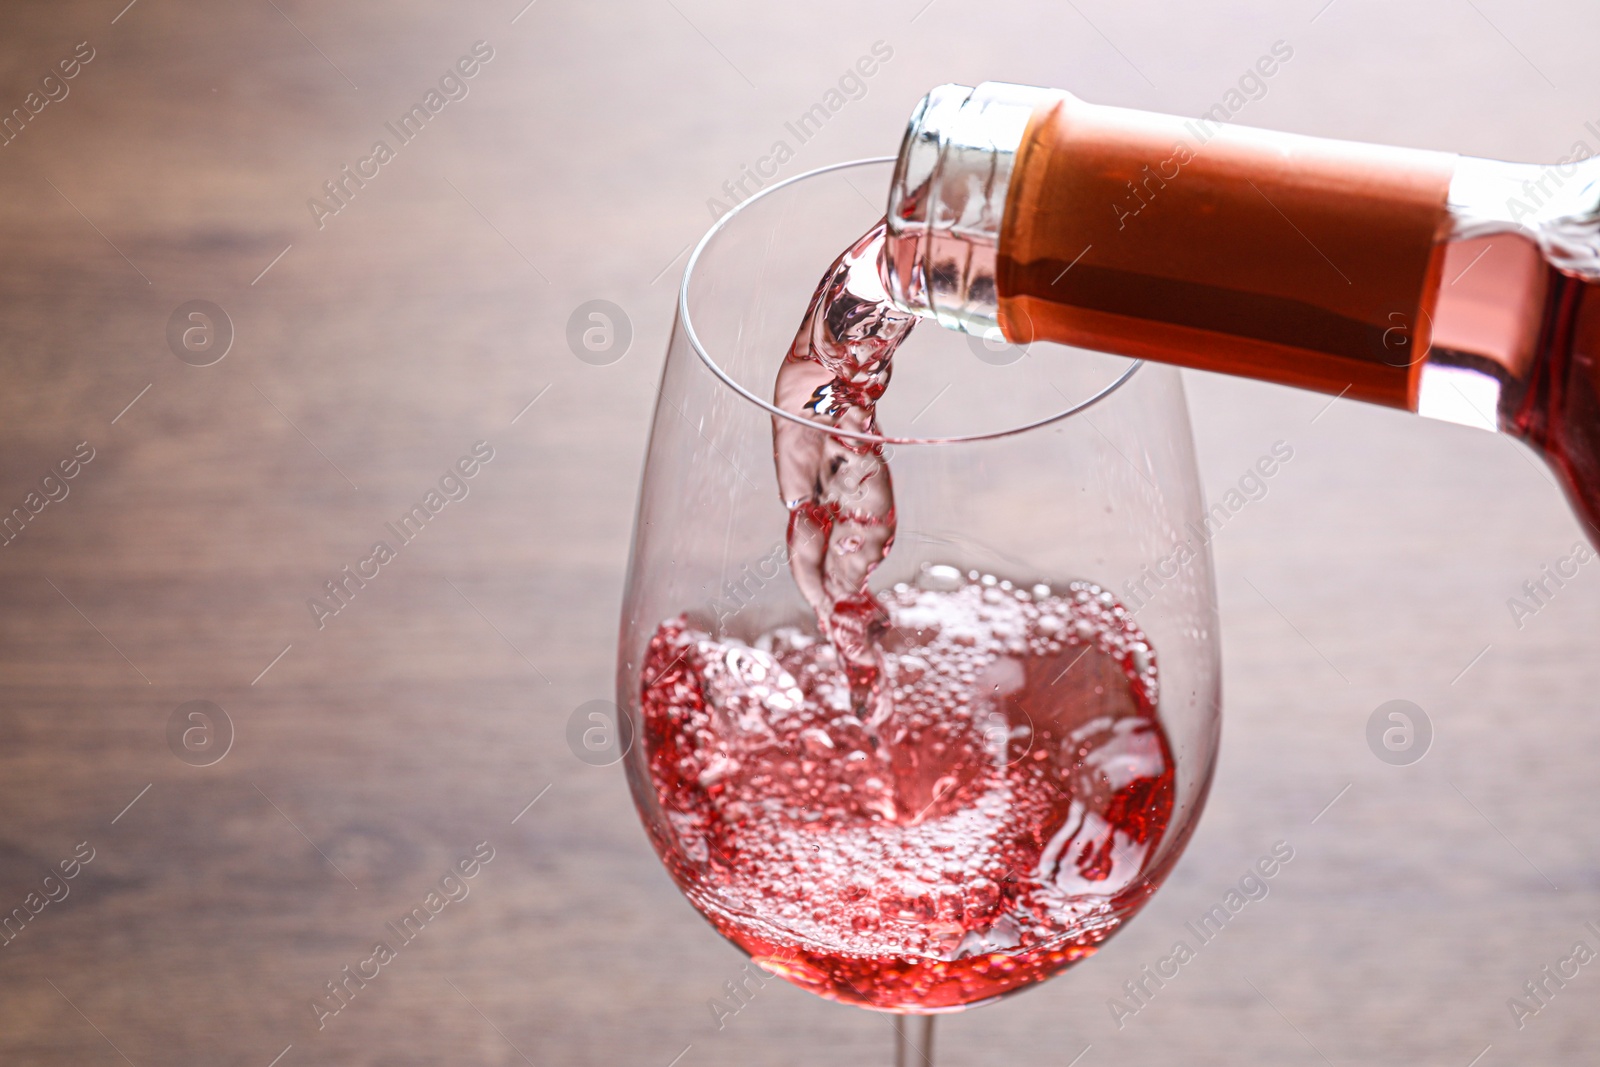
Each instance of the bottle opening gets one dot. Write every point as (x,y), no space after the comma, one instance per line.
(948,198)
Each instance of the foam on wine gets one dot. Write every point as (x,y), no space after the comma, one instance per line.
(1041,779)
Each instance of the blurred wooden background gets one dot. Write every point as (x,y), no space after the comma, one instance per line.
(372,351)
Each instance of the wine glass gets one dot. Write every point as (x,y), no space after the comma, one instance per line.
(1051,651)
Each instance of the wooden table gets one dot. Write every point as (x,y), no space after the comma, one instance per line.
(373,346)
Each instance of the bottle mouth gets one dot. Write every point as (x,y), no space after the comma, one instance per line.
(687,321)
(947,201)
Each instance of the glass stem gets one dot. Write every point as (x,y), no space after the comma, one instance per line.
(913,1041)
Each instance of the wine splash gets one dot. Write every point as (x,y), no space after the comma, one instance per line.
(1039,779)
(959,788)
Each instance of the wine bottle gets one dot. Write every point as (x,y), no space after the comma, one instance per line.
(1462,289)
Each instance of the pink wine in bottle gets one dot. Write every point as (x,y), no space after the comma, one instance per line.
(1459,288)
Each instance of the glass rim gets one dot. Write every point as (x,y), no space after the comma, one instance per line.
(687,322)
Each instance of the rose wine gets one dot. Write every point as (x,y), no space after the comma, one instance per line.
(1013,833)
(1519,340)
(838,489)
(954,788)
(1455,287)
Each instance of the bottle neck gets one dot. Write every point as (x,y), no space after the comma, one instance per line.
(947,201)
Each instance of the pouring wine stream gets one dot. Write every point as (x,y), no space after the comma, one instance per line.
(837,489)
